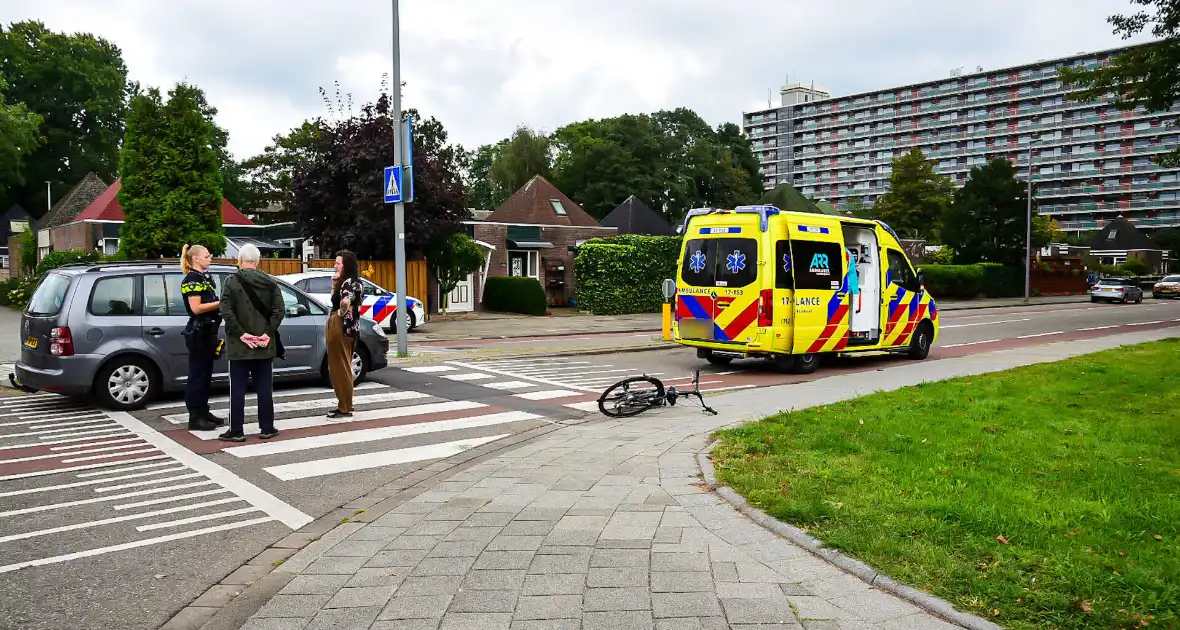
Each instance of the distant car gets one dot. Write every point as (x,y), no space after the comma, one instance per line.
(1167,287)
(377,304)
(113,330)
(1116,290)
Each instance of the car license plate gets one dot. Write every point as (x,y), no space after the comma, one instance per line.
(31,342)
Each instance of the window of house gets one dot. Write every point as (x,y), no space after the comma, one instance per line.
(557,207)
(3,262)
(523,263)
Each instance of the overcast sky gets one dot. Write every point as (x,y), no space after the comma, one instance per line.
(484,66)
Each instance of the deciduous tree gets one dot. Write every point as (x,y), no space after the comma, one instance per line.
(482,192)
(77,84)
(987,220)
(1147,75)
(171,176)
(917,197)
(524,154)
(452,258)
(337,193)
(19,137)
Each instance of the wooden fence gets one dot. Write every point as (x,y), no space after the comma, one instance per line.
(273,266)
(384,274)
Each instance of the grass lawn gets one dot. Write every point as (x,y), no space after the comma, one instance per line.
(1041,497)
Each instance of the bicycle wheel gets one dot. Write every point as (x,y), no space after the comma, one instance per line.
(631,396)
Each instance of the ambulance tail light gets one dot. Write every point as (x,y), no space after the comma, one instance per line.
(766,308)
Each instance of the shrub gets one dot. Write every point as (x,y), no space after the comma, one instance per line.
(56,259)
(944,256)
(960,282)
(18,291)
(622,274)
(513,294)
(1000,281)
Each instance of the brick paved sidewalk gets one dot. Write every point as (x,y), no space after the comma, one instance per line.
(605,524)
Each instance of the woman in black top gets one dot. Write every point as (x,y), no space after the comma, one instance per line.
(340,333)
(204,311)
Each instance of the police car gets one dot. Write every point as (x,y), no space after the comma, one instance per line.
(378,304)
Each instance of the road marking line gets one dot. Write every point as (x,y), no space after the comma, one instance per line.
(970,343)
(137,493)
(286,393)
(39,420)
(92,482)
(545,381)
(1044,334)
(196,519)
(318,403)
(589,405)
(1097,328)
(377,459)
(34,458)
(58,415)
(726,389)
(379,433)
(73,423)
(115,519)
(191,495)
(116,471)
(71,447)
(553,373)
(1002,321)
(132,545)
(359,416)
(53,433)
(548,394)
(1145,323)
(508,385)
(468,377)
(57,434)
(429,369)
(280,511)
(107,455)
(105,433)
(42,473)
(150,482)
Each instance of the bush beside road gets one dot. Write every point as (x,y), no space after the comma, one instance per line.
(1044,496)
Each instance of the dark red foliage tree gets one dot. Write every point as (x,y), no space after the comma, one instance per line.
(337,193)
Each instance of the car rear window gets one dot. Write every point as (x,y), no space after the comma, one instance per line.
(1110,283)
(1170,279)
(48,297)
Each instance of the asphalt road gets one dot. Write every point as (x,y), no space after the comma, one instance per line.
(118,520)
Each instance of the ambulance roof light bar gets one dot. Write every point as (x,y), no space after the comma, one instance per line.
(764,213)
(695,212)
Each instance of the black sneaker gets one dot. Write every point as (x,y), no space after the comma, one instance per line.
(336,413)
(198,423)
(218,421)
(266,435)
(230,436)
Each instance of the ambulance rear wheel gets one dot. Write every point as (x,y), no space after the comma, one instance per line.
(806,363)
(718,360)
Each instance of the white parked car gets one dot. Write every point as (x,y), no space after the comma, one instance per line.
(378,304)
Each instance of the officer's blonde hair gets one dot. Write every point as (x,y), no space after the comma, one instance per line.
(186,256)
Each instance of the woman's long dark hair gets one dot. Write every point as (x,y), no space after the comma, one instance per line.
(350,268)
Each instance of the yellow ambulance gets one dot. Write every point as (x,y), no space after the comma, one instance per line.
(793,287)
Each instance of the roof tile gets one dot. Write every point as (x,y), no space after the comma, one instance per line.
(533,204)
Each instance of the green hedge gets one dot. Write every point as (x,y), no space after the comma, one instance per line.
(618,275)
(514,294)
(965,282)
(64,257)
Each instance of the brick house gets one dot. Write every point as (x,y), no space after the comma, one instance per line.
(98,224)
(533,233)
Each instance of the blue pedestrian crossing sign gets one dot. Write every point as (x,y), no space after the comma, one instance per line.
(393,184)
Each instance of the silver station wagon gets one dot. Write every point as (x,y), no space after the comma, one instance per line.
(113,331)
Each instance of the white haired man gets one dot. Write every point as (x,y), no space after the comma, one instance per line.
(252,307)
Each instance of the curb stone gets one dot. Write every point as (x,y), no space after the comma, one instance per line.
(311,541)
(869,575)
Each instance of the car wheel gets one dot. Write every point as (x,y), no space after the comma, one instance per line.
(717,360)
(360,365)
(411,321)
(1139,300)
(920,343)
(127,383)
(806,363)
(1094,300)
(783,362)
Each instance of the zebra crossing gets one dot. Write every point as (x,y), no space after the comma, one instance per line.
(77,482)
(572,382)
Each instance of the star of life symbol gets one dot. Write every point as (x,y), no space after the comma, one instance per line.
(787,263)
(697,262)
(735,262)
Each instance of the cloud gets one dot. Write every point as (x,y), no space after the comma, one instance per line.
(484,67)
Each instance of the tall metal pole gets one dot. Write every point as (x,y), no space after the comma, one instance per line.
(399,209)
(1028,228)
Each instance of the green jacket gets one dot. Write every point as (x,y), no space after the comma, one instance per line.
(241,317)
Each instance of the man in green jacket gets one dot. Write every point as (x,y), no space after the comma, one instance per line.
(252,307)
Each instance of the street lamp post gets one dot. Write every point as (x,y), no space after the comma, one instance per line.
(399,209)
(1028,225)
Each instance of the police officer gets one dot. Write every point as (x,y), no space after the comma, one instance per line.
(204,310)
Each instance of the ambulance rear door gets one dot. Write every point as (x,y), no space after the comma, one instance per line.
(819,273)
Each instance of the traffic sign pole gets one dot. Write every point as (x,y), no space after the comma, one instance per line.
(399,209)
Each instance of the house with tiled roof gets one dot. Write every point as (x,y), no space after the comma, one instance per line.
(98,224)
(66,210)
(14,222)
(1120,240)
(534,234)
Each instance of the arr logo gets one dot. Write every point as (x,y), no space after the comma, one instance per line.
(819,261)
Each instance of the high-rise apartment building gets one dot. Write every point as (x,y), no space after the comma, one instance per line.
(1091,162)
